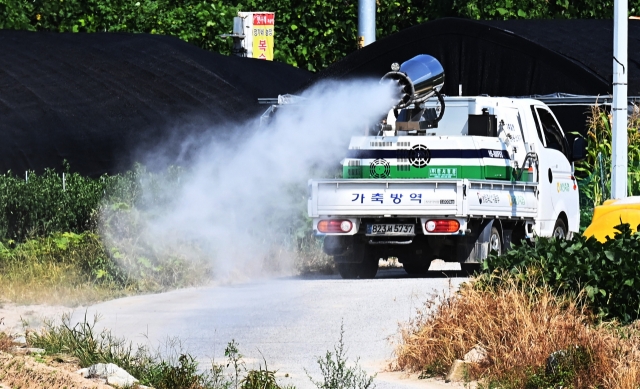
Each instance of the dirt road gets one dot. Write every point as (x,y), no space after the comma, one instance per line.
(291,321)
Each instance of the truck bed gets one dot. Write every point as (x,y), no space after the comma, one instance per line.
(428,197)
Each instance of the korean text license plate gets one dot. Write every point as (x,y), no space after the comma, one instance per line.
(390,229)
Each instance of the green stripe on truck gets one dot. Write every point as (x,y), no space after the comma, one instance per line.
(436,172)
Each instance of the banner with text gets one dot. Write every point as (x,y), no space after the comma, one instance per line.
(258,27)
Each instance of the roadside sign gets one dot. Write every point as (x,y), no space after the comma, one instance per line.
(258,31)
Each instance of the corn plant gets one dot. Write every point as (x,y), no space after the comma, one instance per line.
(595,170)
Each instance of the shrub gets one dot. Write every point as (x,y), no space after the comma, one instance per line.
(608,272)
(520,323)
(40,205)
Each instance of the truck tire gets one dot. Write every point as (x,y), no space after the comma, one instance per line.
(347,270)
(365,270)
(368,268)
(470,269)
(415,268)
(495,241)
(559,230)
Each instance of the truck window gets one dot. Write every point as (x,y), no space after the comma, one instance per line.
(551,130)
(535,119)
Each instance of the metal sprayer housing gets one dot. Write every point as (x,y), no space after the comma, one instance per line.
(420,77)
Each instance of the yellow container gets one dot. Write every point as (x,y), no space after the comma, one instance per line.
(609,215)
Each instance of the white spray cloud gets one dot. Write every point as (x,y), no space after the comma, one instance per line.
(237,192)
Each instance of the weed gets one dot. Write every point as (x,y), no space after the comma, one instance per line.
(521,322)
(6,342)
(260,379)
(88,347)
(81,341)
(234,359)
(62,268)
(217,377)
(183,375)
(336,374)
(433,369)
(606,271)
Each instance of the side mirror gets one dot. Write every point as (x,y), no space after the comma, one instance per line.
(579,151)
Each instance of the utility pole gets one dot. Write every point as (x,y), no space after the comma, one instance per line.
(366,22)
(237,36)
(619,108)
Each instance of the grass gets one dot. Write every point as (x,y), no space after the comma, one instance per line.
(75,269)
(46,270)
(175,369)
(78,269)
(520,324)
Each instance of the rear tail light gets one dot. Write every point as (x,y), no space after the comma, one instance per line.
(443,225)
(335,226)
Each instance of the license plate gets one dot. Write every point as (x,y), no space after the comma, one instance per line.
(390,229)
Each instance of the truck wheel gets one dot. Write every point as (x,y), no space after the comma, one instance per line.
(365,270)
(368,268)
(469,269)
(415,268)
(559,230)
(495,241)
(347,270)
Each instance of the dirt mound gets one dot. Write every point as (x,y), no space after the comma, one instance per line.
(97,99)
(28,373)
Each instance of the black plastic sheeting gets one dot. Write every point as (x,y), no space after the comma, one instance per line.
(505,58)
(98,100)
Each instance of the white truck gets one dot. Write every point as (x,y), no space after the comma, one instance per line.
(427,184)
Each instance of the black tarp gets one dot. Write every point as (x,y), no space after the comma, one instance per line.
(97,99)
(505,58)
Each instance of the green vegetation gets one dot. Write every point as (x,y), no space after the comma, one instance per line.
(607,273)
(336,372)
(51,249)
(534,336)
(69,239)
(175,369)
(574,300)
(309,34)
(172,370)
(595,171)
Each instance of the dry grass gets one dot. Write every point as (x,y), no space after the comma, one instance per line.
(6,342)
(54,284)
(309,257)
(76,269)
(519,326)
(40,272)
(26,372)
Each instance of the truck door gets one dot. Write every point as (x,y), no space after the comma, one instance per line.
(557,185)
(511,134)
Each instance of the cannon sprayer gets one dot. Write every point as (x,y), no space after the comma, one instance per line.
(418,79)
